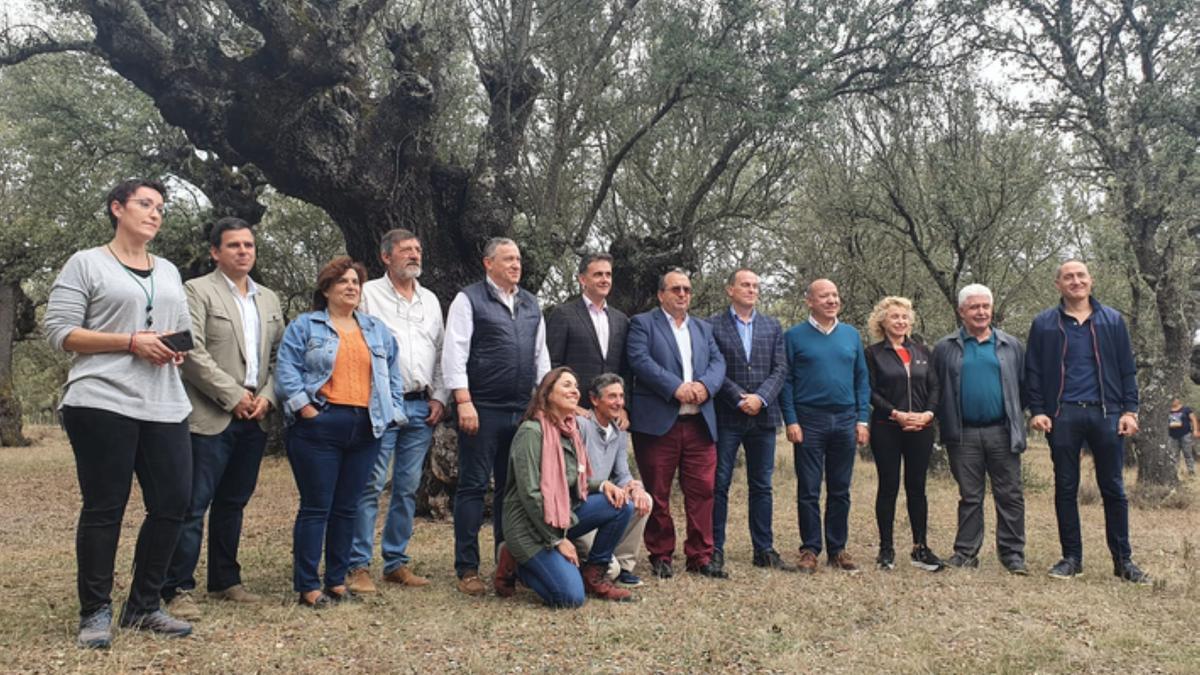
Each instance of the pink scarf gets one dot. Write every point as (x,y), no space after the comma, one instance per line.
(556,498)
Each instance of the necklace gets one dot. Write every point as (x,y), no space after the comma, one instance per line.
(150,293)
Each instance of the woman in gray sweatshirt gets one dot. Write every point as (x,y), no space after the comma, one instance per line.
(124,408)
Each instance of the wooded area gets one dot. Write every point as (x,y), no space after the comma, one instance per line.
(897,147)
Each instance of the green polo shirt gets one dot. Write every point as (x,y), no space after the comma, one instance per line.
(981,394)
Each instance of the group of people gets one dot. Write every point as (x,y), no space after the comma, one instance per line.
(173,382)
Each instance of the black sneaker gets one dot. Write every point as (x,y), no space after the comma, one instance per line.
(1067,568)
(1016,566)
(627,578)
(771,558)
(661,568)
(157,621)
(95,629)
(924,559)
(963,561)
(1130,572)
(886,559)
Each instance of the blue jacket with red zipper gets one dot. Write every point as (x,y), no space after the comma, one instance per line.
(1045,361)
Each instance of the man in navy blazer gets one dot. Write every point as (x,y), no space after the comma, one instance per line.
(677,368)
(748,413)
(587,334)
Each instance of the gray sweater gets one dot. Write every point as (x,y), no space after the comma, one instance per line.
(607,454)
(95,292)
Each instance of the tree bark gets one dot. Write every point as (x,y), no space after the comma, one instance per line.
(15,317)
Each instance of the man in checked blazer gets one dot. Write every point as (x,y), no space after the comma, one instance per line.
(748,413)
(587,334)
(677,369)
(229,377)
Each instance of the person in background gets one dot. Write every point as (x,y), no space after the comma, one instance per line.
(904,393)
(124,408)
(552,498)
(587,334)
(338,380)
(1181,427)
(229,377)
(412,314)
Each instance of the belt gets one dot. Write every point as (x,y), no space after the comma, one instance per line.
(1082,404)
(421,395)
(688,418)
(984,425)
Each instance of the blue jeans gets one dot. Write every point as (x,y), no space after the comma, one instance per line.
(760,464)
(1072,427)
(827,449)
(556,581)
(408,444)
(224,475)
(331,457)
(480,457)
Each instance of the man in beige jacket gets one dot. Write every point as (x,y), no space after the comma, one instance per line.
(236,327)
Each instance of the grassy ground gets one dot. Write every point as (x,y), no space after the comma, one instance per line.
(901,621)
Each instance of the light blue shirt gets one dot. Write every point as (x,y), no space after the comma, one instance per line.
(745,329)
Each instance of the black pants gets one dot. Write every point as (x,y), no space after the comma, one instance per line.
(890,444)
(109,449)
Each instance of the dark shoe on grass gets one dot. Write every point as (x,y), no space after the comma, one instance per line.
(627,578)
(662,568)
(95,629)
(886,560)
(963,561)
(1128,571)
(1067,568)
(1016,566)
(770,558)
(924,559)
(711,570)
(157,621)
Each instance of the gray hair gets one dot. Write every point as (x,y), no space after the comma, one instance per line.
(662,279)
(489,249)
(393,237)
(971,290)
(602,382)
(586,260)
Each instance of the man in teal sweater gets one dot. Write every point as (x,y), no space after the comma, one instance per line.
(824,402)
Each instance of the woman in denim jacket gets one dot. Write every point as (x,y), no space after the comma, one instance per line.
(339,382)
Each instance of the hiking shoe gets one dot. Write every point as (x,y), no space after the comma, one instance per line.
(235,593)
(886,560)
(843,562)
(627,578)
(505,579)
(597,585)
(358,580)
(183,606)
(404,576)
(924,559)
(771,558)
(807,562)
(1067,568)
(963,561)
(471,584)
(157,621)
(95,629)
(1128,571)
(662,568)
(1016,566)
(709,569)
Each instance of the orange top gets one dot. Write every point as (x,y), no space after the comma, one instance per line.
(350,381)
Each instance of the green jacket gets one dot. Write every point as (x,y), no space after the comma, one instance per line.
(525,530)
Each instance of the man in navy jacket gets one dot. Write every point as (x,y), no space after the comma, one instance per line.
(748,412)
(678,368)
(1082,387)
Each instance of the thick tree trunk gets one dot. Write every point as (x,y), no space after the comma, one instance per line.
(12,305)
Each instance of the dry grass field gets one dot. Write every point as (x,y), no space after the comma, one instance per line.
(901,621)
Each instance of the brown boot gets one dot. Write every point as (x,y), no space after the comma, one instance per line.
(405,577)
(359,581)
(597,584)
(505,579)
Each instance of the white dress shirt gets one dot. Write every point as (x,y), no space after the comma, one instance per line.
(683,338)
(418,328)
(817,324)
(248,309)
(599,319)
(460,326)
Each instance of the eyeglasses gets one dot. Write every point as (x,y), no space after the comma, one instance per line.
(680,290)
(147,205)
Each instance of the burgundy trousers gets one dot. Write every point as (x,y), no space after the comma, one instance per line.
(687,447)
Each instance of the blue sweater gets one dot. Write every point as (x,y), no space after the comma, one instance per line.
(824,371)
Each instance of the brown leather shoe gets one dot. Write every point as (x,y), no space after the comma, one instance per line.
(405,577)
(843,562)
(807,562)
(359,581)
(471,584)
(505,578)
(597,584)
(236,593)
(183,606)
